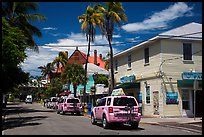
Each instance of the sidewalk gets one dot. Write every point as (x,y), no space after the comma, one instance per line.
(159,120)
(180,120)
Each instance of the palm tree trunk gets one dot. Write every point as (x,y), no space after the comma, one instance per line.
(111,63)
(89,39)
(75,89)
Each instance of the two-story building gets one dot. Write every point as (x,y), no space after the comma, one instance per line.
(157,72)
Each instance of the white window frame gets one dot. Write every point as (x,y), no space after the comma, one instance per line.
(148,56)
(129,61)
(191,52)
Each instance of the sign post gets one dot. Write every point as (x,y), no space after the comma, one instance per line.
(193,76)
(195,88)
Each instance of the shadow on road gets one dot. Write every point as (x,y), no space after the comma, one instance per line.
(21,121)
(120,127)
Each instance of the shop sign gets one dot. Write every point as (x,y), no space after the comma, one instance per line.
(171,97)
(192,75)
(126,79)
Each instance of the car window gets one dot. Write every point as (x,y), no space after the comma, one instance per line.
(108,101)
(102,102)
(124,102)
(72,101)
(54,100)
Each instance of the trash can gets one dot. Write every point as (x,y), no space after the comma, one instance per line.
(89,107)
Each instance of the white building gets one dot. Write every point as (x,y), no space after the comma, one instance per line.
(152,72)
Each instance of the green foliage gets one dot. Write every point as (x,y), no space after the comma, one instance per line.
(73,73)
(102,79)
(54,88)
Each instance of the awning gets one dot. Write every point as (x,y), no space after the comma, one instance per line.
(128,85)
(188,83)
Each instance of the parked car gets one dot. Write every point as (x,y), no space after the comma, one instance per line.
(72,105)
(52,102)
(116,109)
(28,99)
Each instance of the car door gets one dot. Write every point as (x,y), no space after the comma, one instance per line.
(101,108)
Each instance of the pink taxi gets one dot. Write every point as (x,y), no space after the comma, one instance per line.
(72,105)
(116,109)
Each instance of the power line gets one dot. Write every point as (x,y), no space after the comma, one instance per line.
(129,42)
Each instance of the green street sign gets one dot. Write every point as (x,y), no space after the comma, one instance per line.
(192,75)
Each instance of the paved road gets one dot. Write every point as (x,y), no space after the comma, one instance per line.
(34,119)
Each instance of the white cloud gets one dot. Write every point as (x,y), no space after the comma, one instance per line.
(50,28)
(160,20)
(48,53)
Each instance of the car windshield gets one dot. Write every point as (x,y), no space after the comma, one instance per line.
(54,100)
(124,101)
(72,101)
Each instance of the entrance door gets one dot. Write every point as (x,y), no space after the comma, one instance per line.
(198,103)
(156,102)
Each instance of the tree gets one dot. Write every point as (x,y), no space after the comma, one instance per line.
(102,79)
(13,46)
(54,88)
(90,20)
(19,14)
(46,70)
(114,14)
(61,59)
(73,73)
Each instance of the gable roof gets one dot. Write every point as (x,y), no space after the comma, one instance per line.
(190,31)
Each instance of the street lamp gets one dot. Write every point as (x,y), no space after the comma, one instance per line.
(95,76)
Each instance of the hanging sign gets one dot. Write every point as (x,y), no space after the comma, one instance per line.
(192,75)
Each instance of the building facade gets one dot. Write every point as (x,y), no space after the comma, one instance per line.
(153,71)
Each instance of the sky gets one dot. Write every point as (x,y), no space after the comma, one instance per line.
(62,30)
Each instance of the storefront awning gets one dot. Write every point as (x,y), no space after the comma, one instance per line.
(188,83)
(128,85)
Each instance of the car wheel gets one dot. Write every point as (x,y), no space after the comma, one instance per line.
(58,111)
(78,113)
(135,125)
(105,123)
(93,121)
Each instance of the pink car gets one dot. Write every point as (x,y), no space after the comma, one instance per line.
(72,105)
(116,109)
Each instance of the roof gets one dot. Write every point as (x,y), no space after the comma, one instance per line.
(195,29)
(100,62)
(190,31)
(92,68)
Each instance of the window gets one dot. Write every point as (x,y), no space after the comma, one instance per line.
(147,94)
(124,101)
(108,101)
(116,65)
(72,101)
(187,51)
(129,61)
(102,102)
(146,55)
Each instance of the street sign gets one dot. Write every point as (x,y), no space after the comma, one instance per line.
(192,75)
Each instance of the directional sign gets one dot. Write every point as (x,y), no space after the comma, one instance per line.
(192,75)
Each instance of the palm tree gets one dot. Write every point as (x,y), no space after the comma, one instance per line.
(46,70)
(73,73)
(61,59)
(114,14)
(90,20)
(19,14)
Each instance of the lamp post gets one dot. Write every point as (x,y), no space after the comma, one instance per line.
(95,76)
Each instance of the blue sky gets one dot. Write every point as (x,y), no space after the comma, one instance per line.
(145,20)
